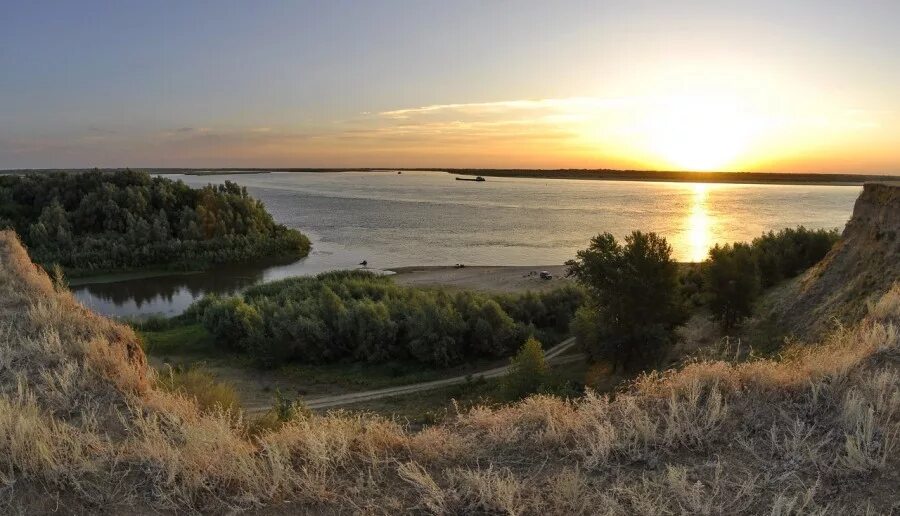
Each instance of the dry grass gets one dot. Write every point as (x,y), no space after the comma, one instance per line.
(86,426)
(199,384)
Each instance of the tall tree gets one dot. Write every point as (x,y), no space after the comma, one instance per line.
(732,280)
(634,303)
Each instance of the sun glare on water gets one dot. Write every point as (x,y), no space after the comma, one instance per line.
(699,225)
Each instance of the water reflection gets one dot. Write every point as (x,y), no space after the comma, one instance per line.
(171,295)
(167,295)
(699,224)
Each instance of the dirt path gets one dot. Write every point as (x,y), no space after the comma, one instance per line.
(552,356)
(346,399)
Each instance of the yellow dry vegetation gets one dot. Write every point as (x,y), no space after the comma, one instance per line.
(86,425)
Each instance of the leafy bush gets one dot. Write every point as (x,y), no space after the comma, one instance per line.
(359,316)
(527,370)
(233,323)
(789,252)
(634,298)
(99,221)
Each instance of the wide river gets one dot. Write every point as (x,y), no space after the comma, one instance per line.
(429,218)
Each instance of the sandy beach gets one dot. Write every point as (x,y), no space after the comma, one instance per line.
(486,278)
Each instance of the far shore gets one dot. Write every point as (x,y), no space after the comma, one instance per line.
(664,176)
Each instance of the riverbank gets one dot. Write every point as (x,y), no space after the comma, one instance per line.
(500,279)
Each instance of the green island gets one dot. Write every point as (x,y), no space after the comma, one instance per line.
(101,222)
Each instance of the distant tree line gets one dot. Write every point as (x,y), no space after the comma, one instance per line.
(98,221)
(359,316)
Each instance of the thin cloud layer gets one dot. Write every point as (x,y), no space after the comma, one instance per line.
(623,132)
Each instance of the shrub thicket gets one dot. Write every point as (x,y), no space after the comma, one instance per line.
(789,252)
(735,275)
(359,316)
(100,221)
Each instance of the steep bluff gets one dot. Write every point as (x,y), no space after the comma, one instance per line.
(860,268)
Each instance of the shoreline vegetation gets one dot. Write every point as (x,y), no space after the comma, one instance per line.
(666,176)
(357,316)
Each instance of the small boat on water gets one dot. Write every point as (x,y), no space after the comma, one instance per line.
(478,178)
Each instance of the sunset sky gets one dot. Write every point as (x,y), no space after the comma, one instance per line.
(787,85)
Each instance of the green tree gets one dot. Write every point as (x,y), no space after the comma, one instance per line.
(732,281)
(527,370)
(634,295)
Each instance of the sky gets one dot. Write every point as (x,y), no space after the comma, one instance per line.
(787,85)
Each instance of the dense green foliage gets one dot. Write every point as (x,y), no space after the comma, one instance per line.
(731,279)
(635,300)
(99,221)
(735,275)
(789,252)
(527,370)
(359,316)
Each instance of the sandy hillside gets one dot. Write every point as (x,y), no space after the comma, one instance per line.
(861,267)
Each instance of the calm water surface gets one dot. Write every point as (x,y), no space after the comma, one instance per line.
(429,218)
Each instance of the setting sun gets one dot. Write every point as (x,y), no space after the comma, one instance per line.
(699,133)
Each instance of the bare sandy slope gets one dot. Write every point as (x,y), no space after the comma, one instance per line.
(486,278)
